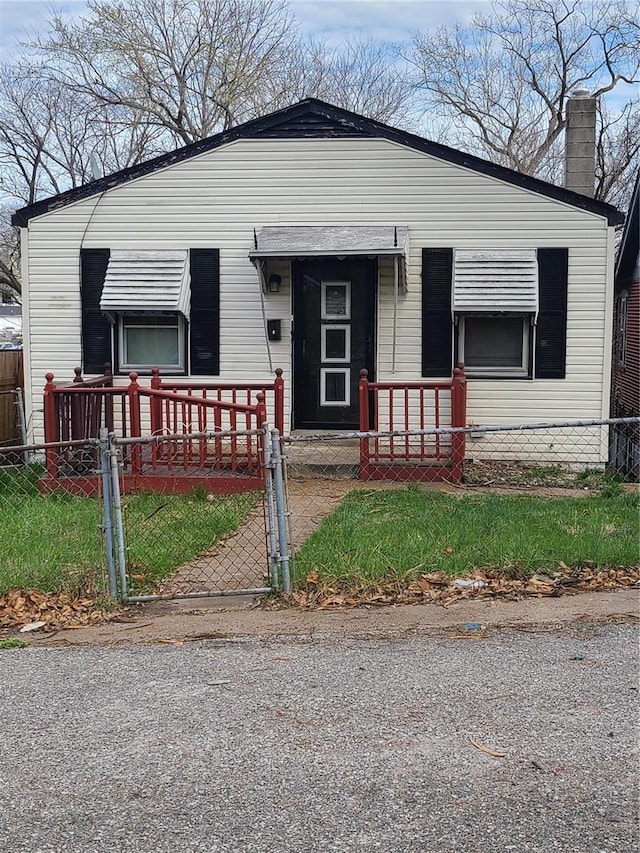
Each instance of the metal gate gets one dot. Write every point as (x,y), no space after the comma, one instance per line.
(204,516)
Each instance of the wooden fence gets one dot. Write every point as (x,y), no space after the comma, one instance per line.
(11,378)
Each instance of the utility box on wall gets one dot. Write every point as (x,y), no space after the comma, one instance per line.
(274,330)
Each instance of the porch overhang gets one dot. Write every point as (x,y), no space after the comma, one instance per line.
(308,241)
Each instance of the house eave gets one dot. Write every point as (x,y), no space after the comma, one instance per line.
(361,126)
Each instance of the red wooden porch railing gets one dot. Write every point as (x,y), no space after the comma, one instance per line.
(175,414)
(244,393)
(412,406)
(78,411)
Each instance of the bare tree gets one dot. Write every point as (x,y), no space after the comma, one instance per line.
(617,153)
(359,74)
(188,67)
(10,288)
(505,80)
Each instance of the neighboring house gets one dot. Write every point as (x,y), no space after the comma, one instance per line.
(322,242)
(625,390)
(625,384)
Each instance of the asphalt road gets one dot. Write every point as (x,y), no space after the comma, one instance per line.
(324,745)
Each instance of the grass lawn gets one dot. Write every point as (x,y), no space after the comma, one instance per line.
(54,543)
(376,535)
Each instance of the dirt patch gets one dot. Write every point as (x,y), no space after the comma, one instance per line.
(177,622)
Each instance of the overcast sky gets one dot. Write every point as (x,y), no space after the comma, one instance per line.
(387,20)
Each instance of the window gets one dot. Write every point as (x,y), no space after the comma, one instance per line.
(334,387)
(335,343)
(335,300)
(620,339)
(490,345)
(147,341)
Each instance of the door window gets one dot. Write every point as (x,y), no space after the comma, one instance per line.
(334,387)
(335,343)
(335,300)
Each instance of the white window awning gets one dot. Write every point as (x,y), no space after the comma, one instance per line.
(495,282)
(138,282)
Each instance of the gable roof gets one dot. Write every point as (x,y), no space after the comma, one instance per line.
(314,118)
(630,243)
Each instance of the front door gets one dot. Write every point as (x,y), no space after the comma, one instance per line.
(334,311)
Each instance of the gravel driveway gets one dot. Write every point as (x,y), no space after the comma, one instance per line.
(356,745)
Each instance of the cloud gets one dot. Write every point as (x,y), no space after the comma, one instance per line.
(384,20)
(23,20)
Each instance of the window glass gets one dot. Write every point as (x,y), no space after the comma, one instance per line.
(151,342)
(336,343)
(334,387)
(335,300)
(493,342)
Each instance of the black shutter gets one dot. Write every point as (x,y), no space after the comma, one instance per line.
(205,312)
(551,331)
(96,329)
(437,330)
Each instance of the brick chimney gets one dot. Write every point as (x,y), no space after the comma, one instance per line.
(580,143)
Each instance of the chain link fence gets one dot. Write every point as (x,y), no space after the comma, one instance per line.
(226,512)
(563,458)
(156,517)
(52,531)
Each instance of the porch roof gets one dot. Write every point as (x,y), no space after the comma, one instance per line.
(146,281)
(285,241)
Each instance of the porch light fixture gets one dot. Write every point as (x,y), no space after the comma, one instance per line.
(274,283)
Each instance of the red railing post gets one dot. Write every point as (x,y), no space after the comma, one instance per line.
(155,404)
(77,408)
(363,397)
(50,426)
(278,401)
(108,398)
(133,394)
(458,419)
(261,414)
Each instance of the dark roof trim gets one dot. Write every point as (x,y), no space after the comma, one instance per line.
(630,243)
(344,118)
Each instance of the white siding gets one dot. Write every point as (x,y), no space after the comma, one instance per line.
(218,198)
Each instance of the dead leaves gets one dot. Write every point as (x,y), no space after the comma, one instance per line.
(439,588)
(25,607)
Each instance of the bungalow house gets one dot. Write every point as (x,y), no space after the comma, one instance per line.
(324,243)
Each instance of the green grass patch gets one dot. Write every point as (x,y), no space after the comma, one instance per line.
(375,536)
(12,643)
(54,543)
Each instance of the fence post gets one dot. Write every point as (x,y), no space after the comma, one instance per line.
(281,511)
(458,419)
(133,394)
(272,544)
(363,397)
(50,427)
(278,402)
(105,471)
(116,510)
(22,424)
